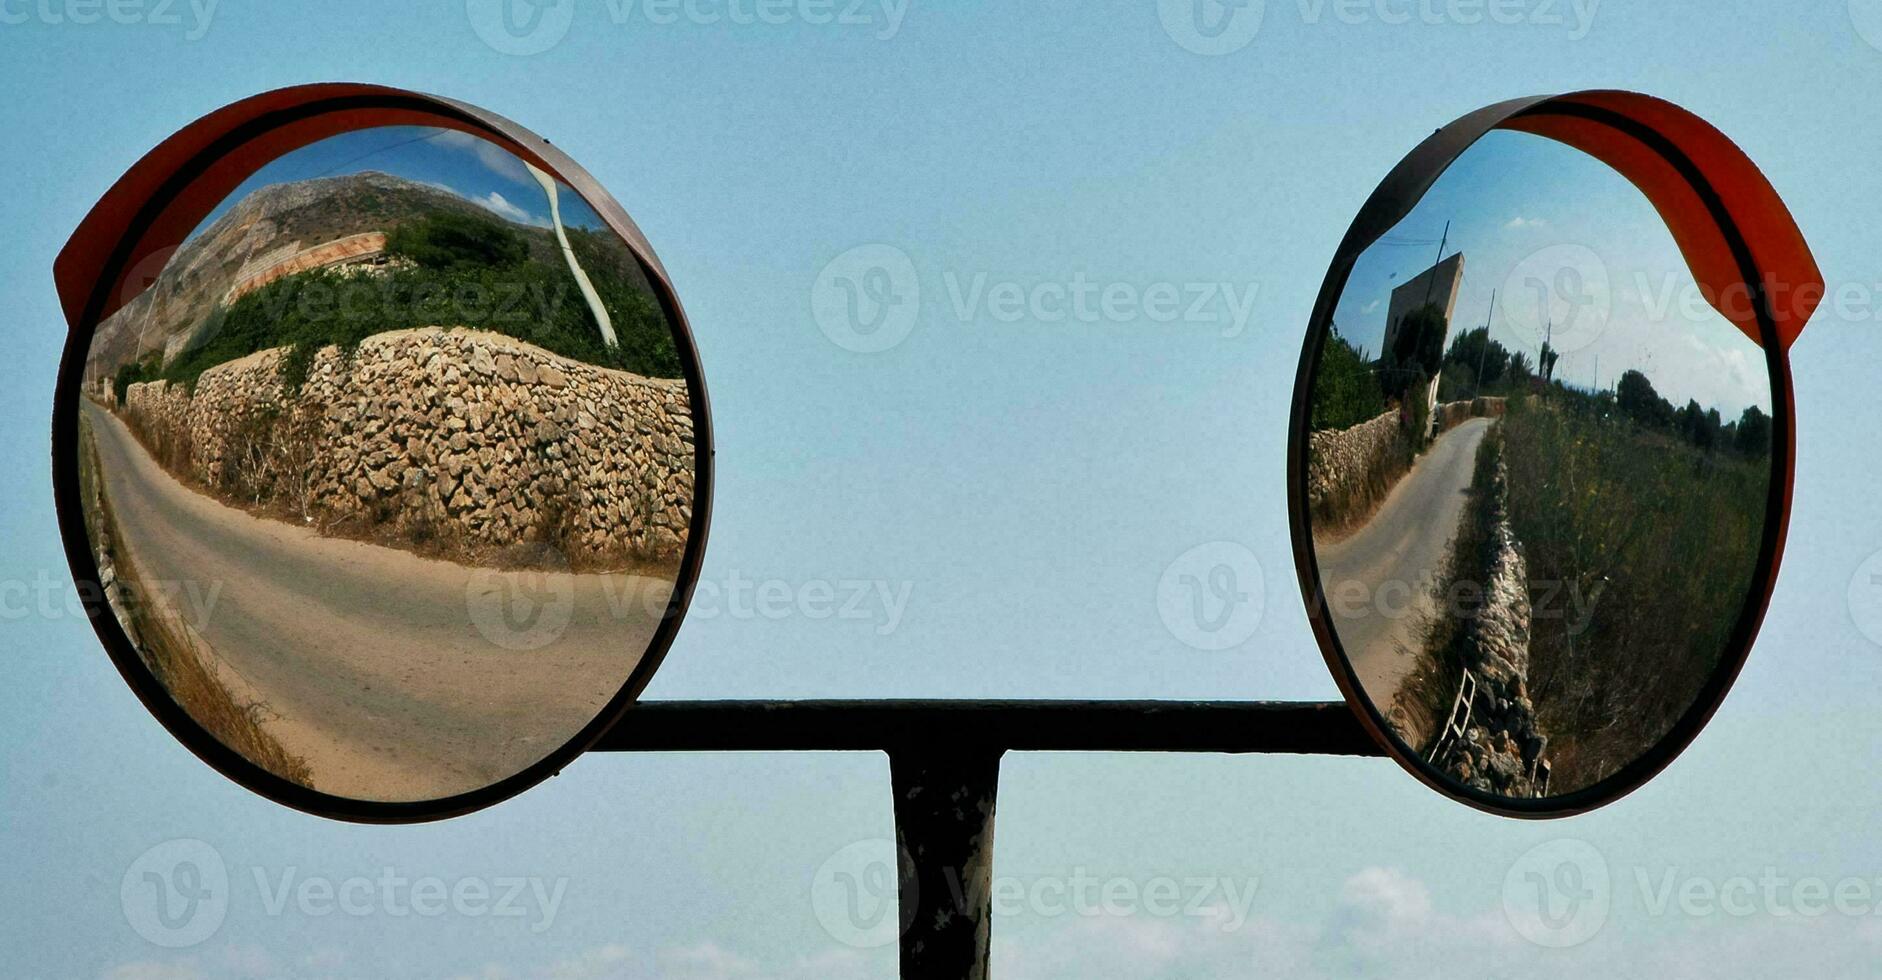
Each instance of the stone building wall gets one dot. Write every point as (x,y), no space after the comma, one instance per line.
(470,440)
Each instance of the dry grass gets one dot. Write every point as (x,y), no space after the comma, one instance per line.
(1340,514)
(1641,551)
(273,450)
(172,650)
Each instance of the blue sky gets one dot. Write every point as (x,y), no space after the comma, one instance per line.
(1029,480)
(472,168)
(1524,210)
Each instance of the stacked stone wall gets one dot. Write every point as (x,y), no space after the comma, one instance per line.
(461,437)
(1350,464)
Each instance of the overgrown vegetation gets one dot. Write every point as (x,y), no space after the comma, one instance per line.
(1417,353)
(136,372)
(1345,389)
(270,461)
(1635,398)
(1641,549)
(1477,365)
(447,242)
(446,270)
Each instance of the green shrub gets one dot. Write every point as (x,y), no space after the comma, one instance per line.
(1345,389)
(452,271)
(1474,350)
(136,372)
(447,241)
(1417,347)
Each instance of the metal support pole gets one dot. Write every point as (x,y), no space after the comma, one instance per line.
(1305,727)
(944,802)
(945,784)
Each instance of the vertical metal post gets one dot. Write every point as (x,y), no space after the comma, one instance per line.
(944,801)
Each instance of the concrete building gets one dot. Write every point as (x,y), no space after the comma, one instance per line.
(1438,284)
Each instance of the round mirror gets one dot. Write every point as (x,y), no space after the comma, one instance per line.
(1541,458)
(382,449)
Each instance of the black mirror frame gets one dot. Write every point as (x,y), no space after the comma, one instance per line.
(1395,197)
(104,250)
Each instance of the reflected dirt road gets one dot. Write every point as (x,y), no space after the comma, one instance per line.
(396,677)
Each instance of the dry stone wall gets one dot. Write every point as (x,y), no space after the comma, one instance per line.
(1344,464)
(1501,750)
(1451,414)
(468,440)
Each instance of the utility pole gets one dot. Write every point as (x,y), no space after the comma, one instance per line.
(1548,334)
(1432,282)
(1485,349)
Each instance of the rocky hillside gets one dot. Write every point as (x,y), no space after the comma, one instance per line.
(269,225)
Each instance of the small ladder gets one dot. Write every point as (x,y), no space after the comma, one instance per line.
(1459,720)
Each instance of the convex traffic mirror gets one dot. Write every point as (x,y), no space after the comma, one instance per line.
(382,449)
(1541,458)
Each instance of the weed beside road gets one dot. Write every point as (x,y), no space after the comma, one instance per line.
(1646,547)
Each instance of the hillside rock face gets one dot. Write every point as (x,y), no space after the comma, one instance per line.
(170,296)
(472,441)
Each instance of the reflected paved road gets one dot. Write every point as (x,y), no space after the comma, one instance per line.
(1379,580)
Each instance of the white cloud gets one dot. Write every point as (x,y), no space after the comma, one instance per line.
(609,962)
(1370,307)
(500,206)
(706,961)
(1519,222)
(1386,926)
(702,961)
(152,970)
(496,159)
(1383,925)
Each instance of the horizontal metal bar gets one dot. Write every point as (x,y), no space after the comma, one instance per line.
(1302,727)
